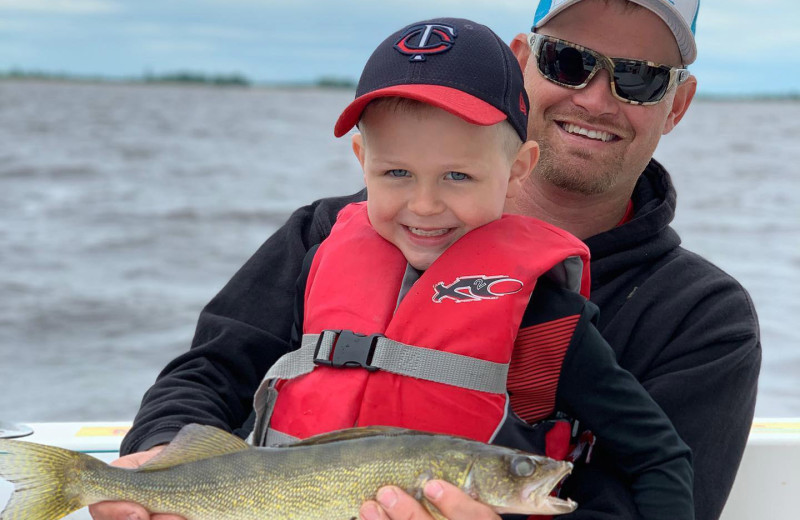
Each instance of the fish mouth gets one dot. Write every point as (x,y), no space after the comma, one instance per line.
(552,506)
(535,497)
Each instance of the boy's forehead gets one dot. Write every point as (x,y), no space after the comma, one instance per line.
(387,109)
(389,121)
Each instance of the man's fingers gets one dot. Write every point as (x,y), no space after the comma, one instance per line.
(454,504)
(118,511)
(371,510)
(128,510)
(393,504)
(125,511)
(134,460)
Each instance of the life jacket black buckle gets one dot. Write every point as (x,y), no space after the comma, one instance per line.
(350,349)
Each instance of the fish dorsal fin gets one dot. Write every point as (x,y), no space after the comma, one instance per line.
(195,442)
(353,433)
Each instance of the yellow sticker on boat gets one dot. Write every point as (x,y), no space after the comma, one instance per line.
(102,431)
(776,426)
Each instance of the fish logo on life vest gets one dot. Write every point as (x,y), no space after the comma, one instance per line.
(432,38)
(476,288)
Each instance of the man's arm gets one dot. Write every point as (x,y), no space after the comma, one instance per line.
(655,463)
(693,343)
(239,335)
(710,393)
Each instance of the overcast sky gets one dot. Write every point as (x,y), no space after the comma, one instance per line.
(745,46)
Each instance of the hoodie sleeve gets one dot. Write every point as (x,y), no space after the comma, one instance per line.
(240,333)
(689,333)
(646,450)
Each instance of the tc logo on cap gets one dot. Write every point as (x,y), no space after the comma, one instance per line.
(419,40)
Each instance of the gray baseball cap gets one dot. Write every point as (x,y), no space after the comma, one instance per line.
(679,15)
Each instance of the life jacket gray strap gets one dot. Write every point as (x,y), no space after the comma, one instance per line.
(379,352)
(292,364)
(275,438)
(439,366)
(375,352)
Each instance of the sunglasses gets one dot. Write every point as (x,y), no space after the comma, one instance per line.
(570,65)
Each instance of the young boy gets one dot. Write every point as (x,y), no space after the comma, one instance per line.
(457,318)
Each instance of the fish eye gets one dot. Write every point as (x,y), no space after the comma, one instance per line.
(522,466)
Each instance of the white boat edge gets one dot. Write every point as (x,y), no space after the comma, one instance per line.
(767,482)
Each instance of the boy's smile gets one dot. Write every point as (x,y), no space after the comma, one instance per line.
(432,177)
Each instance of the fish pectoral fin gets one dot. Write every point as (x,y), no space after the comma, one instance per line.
(353,433)
(432,509)
(195,442)
(417,493)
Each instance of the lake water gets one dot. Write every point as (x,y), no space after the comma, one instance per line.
(125,208)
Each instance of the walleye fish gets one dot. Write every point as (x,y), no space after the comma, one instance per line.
(208,474)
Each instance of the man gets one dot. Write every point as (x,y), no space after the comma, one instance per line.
(684,328)
(672,318)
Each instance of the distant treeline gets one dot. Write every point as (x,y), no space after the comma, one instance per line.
(783,96)
(188,77)
(197,77)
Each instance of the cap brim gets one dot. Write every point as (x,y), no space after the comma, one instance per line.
(459,103)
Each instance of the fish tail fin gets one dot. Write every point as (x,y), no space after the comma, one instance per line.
(45,478)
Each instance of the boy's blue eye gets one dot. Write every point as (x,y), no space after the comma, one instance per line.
(457,176)
(397,173)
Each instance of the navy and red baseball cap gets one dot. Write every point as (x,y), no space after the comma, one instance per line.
(457,65)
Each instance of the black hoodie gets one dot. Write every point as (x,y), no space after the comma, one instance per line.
(683,327)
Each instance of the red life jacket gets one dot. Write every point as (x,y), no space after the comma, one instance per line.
(469,302)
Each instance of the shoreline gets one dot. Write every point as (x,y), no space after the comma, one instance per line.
(238,81)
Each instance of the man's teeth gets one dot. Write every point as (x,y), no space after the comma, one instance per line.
(591,134)
(428,232)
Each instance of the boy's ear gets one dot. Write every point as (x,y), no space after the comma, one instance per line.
(359,151)
(358,148)
(523,165)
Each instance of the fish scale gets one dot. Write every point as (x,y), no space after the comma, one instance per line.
(208,474)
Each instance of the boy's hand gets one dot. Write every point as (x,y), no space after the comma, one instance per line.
(394,504)
(129,510)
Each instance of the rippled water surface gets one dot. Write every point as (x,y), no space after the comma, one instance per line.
(124,209)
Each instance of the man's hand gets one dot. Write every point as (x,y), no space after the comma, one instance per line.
(394,504)
(129,510)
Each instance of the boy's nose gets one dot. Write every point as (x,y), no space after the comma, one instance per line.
(425,201)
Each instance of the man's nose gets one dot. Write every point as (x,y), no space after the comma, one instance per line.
(596,97)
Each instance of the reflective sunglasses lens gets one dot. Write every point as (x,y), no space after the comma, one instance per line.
(640,82)
(565,64)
